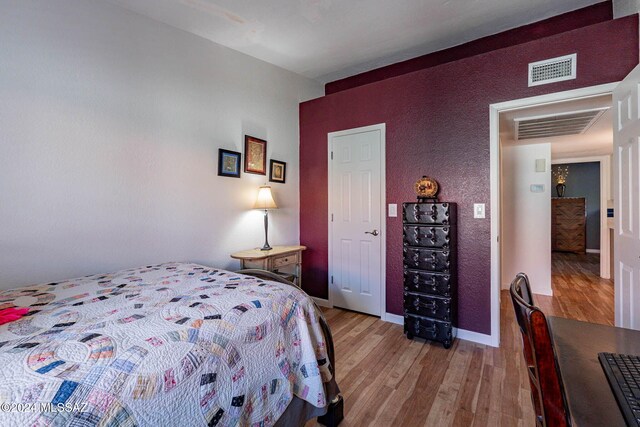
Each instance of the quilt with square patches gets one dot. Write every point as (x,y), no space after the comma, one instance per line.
(171,344)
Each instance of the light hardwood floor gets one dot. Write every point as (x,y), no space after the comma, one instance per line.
(388,380)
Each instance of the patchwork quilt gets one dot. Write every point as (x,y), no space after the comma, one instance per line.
(171,344)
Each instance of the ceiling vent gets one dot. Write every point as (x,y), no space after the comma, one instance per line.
(552,70)
(548,126)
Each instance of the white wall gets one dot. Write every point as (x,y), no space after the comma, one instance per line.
(110,125)
(526,216)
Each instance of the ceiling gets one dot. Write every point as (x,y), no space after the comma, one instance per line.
(597,140)
(331,39)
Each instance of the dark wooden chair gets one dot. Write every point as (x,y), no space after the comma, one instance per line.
(547,391)
(523,288)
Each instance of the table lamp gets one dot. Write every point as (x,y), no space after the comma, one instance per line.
(265,201)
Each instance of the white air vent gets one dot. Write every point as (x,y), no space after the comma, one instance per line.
(552,70)
(571,123)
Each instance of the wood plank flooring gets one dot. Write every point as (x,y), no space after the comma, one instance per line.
(388,380)
(578,291)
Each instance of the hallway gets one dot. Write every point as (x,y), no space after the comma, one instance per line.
(578,291)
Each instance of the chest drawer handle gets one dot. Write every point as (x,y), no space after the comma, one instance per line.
(431,258)
(432,330)
(431,235)
(434,212)
(432,284)
(427,305)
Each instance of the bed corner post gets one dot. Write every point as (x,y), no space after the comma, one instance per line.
(335,413)
(335,409)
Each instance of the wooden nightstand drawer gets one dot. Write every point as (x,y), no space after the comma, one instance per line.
(289,258)
(285,260)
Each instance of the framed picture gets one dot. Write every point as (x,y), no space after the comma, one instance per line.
(228,163)
(277,171)
(255,155)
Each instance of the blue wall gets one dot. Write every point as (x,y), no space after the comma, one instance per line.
(584,181)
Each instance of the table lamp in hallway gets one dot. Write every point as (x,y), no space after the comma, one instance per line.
(265,201)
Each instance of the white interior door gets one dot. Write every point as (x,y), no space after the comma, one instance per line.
(356,228)
(626,158)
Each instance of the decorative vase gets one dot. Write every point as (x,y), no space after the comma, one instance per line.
(560,189)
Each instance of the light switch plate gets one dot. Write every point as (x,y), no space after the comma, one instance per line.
(393,210)
(541,165)
(478,210)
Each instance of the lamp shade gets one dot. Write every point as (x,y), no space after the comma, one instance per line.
(265,199)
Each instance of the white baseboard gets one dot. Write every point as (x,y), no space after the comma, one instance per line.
(476,337)
(322,302)
(593,251)
(392,318)
(546,292)
(462,334)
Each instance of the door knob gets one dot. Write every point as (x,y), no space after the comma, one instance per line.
(373,233)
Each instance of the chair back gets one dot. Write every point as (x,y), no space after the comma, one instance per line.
(523,288)
(547,391)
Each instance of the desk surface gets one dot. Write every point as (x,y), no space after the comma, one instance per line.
(577,345)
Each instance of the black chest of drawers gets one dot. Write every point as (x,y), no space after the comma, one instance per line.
(430,270)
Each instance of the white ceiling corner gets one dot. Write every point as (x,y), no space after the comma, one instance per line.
(330,39)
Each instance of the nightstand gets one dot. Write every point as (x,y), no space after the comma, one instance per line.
(284,260)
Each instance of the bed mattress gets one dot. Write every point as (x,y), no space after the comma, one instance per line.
(170,344)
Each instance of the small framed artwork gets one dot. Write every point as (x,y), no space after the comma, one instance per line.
(255,155)
(228,163)
(277,171)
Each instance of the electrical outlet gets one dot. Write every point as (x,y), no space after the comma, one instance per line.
(393,210)
(478,210)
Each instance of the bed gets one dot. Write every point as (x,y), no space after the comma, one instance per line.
(169,344)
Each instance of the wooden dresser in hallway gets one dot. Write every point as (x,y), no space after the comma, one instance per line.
(568,224)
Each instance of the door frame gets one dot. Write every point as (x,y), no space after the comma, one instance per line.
(494,167)
(605,196)
(383,217)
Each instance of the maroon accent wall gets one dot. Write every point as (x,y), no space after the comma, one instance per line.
(437,123)
(599,12)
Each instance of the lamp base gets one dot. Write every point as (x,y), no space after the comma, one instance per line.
(266,246)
